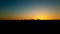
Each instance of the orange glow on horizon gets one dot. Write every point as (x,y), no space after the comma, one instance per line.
(40,17)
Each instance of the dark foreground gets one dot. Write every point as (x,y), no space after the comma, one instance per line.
(29,25)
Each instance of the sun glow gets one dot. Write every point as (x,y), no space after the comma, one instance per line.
(42,17)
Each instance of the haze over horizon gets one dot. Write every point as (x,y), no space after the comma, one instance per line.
(29,9)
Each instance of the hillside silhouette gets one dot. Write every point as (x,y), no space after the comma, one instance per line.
(28,25)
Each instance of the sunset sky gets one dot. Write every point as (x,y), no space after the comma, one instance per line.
(29,9)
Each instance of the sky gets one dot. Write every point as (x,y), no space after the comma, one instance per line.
(29,9)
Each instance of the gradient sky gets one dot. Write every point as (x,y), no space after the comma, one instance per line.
(29,9)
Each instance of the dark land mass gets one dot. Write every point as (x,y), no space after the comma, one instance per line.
(29,25)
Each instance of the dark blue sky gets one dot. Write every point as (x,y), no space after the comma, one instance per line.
(17,8)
